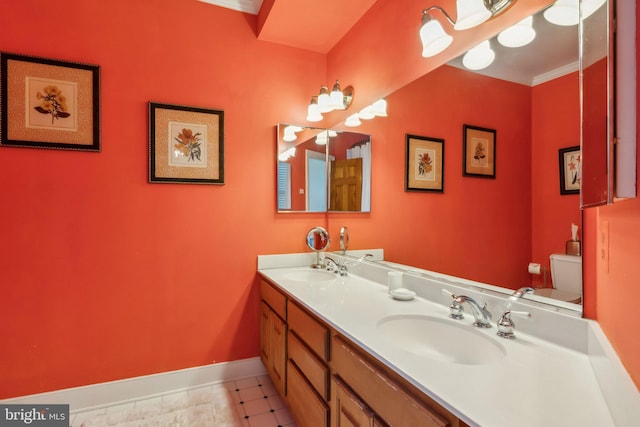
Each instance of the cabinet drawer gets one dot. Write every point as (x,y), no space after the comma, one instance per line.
(307,408)
(276,300)
(310,365)
(346,409)
(312,332)
(381,393)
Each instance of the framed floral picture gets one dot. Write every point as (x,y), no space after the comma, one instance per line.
(186,144)
(46,103)
(424,164)
(479,152)
(570,170)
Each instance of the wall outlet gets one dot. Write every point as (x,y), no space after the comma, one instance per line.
(603,249)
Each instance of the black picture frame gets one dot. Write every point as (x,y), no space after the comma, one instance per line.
(569,162)
(49,103)
(424,164)
(478,152)
(186,144)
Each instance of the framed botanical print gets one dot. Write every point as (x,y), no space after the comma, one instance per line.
(186,144)
(570,170)
(424,164)
(47,103)
(479,151)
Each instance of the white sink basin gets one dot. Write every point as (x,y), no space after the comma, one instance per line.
(310,275)
(441,339)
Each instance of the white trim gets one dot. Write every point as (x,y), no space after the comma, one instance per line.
(554,74)
(248,6)
(96,396)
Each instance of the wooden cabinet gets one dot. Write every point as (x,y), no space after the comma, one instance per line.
(305,405)
(347,410)
(308,380)
(325,379)
(273,336)
(389,396)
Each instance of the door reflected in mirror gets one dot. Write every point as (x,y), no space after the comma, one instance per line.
(320,170)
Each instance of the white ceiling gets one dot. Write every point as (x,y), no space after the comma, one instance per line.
(248,6)
(553,53)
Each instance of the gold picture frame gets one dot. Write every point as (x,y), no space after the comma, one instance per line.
(47,103)
(424,164)
(479,151)
(186,144)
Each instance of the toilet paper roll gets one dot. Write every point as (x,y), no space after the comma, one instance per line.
(394,280)
(534,268)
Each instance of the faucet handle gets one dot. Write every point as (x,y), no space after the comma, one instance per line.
(506,325)
(455,309)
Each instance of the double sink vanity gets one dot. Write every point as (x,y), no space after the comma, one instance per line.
(342,351)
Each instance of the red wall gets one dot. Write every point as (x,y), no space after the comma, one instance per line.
(103,275)
(454,231)
(616,281)
(555,124)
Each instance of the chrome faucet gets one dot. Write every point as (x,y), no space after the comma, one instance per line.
(506,325)
(481,315)
(332,265)
(521,292)
(516,295)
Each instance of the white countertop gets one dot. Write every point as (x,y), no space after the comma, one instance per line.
(537,383)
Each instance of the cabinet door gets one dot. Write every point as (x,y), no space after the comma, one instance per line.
(278,353)
(307,408)
(347,409)
(265,335)
(273,335)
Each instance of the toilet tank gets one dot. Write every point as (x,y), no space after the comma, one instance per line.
(566,272)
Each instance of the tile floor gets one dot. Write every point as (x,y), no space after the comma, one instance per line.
(248,402)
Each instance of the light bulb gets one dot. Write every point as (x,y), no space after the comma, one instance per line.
(563,12)
(470,14)
(433,37)
(519,34)
(479,57)
(353,120)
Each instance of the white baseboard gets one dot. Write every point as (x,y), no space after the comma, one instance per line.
(95,396)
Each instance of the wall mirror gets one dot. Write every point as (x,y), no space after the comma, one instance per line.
(320,170)
(608,136)
(552,57)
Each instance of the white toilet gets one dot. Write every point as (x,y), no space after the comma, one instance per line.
(566,274)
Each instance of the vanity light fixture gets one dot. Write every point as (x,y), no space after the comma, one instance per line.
(470,13)
(313,110)
(479,57)
(377,109)
(323,137)
(325,101)
(518,35)
(567,12)
(563,12)
(284,156)
(366,113)
(380,108)
(290,133)
(353,120)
